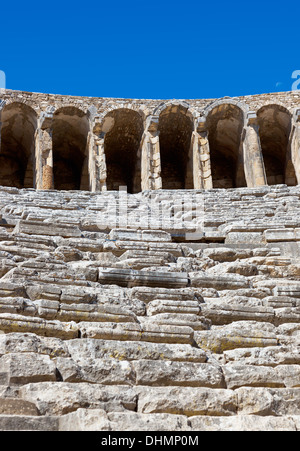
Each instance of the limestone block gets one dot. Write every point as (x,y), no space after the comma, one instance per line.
(243,423)
(56,398)
(82,349)
(85,244)
(9,289)
(68,370)
(268,401)
(269,356)
(30,342)
(85,420)
(147,294)
(18,323)
(23,368)
(68,254)
(188,401)
(222,254)
(110,331)
(196,322)
(36,291)
(168,373)
(119,421)
(289,374)
(130,278)
(94,313)
(100,371)
(225,313)
(43,228)
(287,315)
(281,301)
(15,406)
(78,294)
(273,236)
(224,282)
(17,305)
(175,249)
(214,236)
(155,235)
(169,306)
(244,269)
(239,375)
(289,334)
(47,308)
(140,235)
(99,420)
(28,423)
(125,234)
(241,334)
(119,247)
(244,238)
(292,290)
(162,333)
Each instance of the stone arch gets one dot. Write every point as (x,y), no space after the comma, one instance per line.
(175,127)
(82,108)
(123,129)
(19,124)
(23,101)
(141,110)
(70,130)
(275,125)
(225,124)
(225,101)
(181,104)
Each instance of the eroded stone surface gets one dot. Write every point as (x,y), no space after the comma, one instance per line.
(102,330)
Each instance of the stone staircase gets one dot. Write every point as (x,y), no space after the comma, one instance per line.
(112,319)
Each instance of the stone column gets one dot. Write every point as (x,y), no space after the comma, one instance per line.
(100,163)
(97,163)
(253,159)
(201,157)
(2,103)
(295,144)
(44,153)
(150,156)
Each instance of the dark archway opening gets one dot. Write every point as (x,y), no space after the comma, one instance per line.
(274,130)
(19,123)
(70,131)
(175,132)
(225,125)
(122,149)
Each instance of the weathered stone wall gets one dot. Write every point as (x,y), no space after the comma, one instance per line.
(166,309)
(99,144)
(114,320)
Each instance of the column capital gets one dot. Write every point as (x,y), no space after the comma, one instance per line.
(252,118)
(297,115)
(97,129)
(45,120)
(201,125)
(152,124)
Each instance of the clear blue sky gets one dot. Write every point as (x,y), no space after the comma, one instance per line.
(159,49)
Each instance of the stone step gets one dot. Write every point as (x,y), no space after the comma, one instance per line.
(131,278)
(99,420)
(28,423)
(46,229)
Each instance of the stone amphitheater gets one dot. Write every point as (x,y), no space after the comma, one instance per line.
(150,268)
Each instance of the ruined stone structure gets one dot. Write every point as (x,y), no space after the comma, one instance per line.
(172,306)
(71,143)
